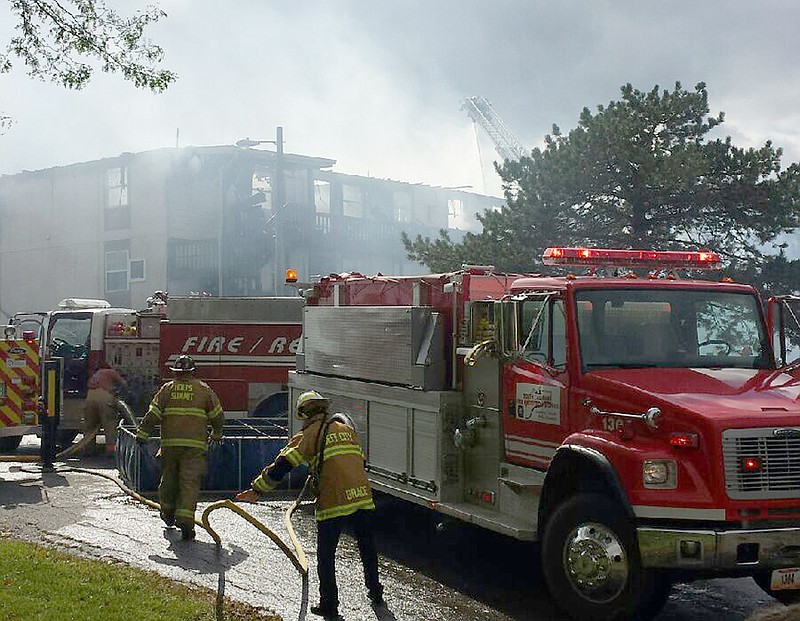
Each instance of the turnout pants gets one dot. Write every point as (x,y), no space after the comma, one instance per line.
(182,468)
(328,532)
(98,412)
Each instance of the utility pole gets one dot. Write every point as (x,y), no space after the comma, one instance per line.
(280,202)
(278,193)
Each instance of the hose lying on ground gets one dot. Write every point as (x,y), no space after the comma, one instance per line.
(295,553)
(297,556)
(85,441)
(124,413)
(67,452)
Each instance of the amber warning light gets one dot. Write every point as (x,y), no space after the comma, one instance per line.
(291,275)
(697,260)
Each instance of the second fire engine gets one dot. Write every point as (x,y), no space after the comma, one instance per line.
(243,347)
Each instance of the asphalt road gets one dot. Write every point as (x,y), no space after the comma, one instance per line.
(453,573)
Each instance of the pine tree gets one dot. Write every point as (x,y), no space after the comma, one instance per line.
(639,173)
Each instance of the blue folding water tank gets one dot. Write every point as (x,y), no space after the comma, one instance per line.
(247,446)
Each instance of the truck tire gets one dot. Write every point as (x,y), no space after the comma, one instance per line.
(591,564)
(9,444)
(762,579)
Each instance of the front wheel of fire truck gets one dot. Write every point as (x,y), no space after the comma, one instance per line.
(764,579)
(591,563)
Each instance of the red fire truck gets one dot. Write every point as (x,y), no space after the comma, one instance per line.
(243,347)
(637,424)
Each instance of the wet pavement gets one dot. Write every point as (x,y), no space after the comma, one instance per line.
(431,571)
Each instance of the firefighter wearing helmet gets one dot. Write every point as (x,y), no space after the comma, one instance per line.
(184,408)
(328,444)
(309,404)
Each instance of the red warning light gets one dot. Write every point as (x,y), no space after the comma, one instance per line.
(632,258)
(684,439)
(750,464)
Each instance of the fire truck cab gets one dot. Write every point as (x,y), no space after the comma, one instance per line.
(638,425)
(78,332)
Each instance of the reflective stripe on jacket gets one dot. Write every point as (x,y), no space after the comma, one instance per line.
(343,485)
(184,408)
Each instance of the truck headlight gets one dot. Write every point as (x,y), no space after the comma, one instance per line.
(659,473)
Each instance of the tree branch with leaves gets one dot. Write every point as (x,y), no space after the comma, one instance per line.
(59,41)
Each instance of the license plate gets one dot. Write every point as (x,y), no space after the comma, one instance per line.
(785,579)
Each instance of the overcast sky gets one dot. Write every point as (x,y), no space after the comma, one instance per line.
(377,84)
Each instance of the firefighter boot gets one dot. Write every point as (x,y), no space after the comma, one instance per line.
(327,612)
(376,601)
(187,531)
(169,519)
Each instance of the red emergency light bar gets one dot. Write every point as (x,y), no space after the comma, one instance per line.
(701,260)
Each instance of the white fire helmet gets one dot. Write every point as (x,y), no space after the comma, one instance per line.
(309,403)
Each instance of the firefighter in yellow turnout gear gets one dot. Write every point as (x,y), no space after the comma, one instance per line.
(344,494)
(184,407)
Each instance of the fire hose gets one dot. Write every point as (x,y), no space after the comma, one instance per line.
(124,413)
(294,553)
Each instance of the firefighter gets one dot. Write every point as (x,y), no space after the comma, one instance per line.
(184,408)
(344,497)
(98,408)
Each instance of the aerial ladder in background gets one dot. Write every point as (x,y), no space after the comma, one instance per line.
(506,144)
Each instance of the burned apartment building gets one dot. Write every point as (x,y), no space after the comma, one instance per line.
(217,220)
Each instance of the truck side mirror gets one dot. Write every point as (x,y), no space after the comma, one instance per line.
(507,315)
(784,325)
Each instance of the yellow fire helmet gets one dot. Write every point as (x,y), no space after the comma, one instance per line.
(308,402)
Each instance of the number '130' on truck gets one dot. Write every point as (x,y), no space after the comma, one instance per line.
(645,429)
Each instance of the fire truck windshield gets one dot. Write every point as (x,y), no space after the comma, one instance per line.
(671,328)
(69,336)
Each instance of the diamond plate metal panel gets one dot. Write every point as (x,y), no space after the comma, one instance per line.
(389,344)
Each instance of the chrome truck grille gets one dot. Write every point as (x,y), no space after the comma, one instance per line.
(777,450)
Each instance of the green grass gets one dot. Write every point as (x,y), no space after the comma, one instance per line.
(43,584)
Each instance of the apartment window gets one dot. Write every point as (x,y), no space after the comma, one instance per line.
(352,201)
(262,186)
(402,206)
(117,186)
(455,208)
(322,196)
(136,270)
(117,213)
(116,271)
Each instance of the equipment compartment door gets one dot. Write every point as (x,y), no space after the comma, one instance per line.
(479,434)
